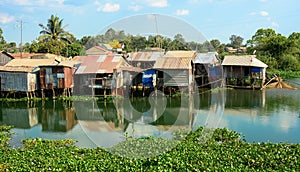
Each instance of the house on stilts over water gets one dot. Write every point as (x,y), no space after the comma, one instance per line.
(57,78)
(207,70)
(103,75)
(244,71)
(20,76)
(174,71)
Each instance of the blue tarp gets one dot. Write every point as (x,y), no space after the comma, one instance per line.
(147,78)
(213,74)
(256,69)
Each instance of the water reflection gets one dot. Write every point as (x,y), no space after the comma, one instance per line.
(270,115)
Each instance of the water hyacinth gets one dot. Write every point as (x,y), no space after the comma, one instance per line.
(224,151)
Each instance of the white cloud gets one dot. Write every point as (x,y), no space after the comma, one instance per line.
(182,12)
(135,7)
(157,3)
(109,7)
(5,18)
(264,13)
(263,0)
(21,2)
(275,24)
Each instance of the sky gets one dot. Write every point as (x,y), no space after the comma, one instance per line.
(212,19)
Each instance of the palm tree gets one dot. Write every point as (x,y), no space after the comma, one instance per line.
(55,31)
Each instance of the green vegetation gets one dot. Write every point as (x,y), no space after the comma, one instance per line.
(23,99)
(284,74)
(224,151)
(279,52)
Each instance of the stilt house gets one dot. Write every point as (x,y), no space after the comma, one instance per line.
(244,71)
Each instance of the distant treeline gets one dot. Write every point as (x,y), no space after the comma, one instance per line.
(277,51)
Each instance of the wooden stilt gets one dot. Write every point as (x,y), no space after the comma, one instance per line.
(143,90)
(43,94)
(53,93)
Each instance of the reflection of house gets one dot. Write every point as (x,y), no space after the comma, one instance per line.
(244,71)
(207,69)
(19,118)
(5,58)
(174,68)
(19,74)
(58,119)
(96,74)
(95,118)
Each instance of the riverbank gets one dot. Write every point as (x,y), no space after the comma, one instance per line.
(283,74)
(225,150)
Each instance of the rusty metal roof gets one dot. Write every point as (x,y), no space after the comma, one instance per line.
(173,63)
(31,62)
(101,64)
(246,60)
(145,56)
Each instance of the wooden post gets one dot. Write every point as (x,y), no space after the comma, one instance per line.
(43,95)
(93,91)
(53,92)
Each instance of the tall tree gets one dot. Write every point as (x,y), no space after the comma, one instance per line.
(2,40)
(236,41)
(54,30)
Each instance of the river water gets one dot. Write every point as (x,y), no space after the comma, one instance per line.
(272,115)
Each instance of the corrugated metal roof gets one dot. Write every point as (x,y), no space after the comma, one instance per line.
(67,63)
(247,60)
(106,64)
(173,63)
(145,56)
(179,53)
(31,62)
(15,69)
(206,58)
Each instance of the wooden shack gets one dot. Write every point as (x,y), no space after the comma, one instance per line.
(5,58)
(207,70)
(98,74)
(174,69)
(244,71)
(99,50)
(58,78)
(20,75)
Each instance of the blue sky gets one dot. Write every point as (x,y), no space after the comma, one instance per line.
(214,19)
